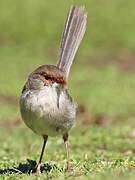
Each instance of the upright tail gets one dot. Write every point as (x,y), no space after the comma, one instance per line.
(73,33)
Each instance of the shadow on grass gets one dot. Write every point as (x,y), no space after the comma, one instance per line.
(28,168)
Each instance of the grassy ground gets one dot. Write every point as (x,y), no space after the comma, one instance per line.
(102,143)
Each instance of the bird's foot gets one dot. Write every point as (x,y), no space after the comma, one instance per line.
(38,169)
(68,170)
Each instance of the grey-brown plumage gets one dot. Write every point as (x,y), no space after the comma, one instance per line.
(45,104)
(73,33)
(50,69)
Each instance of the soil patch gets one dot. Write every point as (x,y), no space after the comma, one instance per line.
(8,100)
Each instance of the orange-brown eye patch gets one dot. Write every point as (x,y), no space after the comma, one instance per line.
(53,79)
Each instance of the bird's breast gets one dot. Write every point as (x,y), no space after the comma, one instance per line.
(47,112)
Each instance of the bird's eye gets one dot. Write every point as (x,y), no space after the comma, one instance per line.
(47,77)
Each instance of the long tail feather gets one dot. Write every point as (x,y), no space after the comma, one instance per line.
(73,33)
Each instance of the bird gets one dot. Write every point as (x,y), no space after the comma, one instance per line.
(45,104)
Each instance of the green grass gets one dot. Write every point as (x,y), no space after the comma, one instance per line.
(102,143)
(106,152)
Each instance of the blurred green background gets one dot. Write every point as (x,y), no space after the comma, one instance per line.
(102,81)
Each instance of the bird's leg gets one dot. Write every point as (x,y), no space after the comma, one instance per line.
(65,137)
(41,156)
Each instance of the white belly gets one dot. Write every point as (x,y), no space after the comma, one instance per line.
(46,113)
